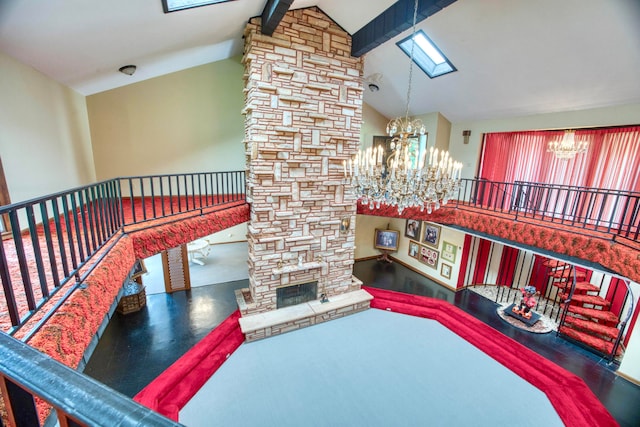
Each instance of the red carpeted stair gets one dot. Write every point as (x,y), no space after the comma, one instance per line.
(565,274)
(588,317)
(581,287)
(592,327)
(594,300)
(593,314)
(593,341)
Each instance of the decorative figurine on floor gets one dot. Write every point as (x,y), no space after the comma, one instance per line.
(527,302)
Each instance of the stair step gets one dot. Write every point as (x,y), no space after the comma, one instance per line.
(554,263)
(580,286)
(603,315)
(568,274)
(602,345)
(592,327)
(590,299)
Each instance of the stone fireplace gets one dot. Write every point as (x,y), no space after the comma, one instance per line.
(303,113)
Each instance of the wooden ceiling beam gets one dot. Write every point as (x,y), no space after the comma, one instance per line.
(273,13)
(396,19)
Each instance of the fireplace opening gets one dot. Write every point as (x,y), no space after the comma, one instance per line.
(296,294)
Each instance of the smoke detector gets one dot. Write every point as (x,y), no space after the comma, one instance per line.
(373,82)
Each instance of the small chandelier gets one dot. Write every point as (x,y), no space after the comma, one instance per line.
(405,180)
(567,147)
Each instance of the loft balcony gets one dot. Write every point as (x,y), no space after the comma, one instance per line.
(54,247)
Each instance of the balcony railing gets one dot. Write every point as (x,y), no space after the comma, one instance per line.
(77,400)
(610,214)
(56,240)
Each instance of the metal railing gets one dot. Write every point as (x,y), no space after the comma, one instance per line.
(77,400)
(57,239)
(611,213)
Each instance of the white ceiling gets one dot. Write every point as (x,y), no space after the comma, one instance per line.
(515,57)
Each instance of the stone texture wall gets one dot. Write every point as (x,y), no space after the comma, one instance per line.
(303,115)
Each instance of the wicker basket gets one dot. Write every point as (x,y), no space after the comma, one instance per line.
(133,298)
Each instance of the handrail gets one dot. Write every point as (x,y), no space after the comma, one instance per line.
(54,239)
(611,213)
(77,399)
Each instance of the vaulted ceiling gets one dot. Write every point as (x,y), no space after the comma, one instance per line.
(514,57)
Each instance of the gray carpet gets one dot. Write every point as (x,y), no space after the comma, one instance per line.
(374,368)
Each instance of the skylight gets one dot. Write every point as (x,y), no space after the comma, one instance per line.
(426,55)
(175,5)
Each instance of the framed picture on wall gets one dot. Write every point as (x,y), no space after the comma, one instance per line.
(386,239)
(445,270)
(431,234)
(428,256)
(414,249)
(449,251)
(412,229)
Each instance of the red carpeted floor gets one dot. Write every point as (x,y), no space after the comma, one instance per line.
(572,399)
(147,212)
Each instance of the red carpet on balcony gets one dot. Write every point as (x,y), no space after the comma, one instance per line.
(149,238)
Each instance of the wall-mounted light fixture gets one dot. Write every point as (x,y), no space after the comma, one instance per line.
(465,135)
(128,69)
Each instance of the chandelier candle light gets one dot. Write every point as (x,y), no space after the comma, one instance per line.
(568,147)
(405,180)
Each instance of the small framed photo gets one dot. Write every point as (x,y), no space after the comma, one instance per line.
(445,270)
(138,269)
(414,249)
(386,239)
(449,251)
(431,234)
(428,256)
(412,229)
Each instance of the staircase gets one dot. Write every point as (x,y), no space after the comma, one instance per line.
(586,316)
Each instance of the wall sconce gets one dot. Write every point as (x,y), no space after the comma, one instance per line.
(465,135)
(345,224)
(128,70)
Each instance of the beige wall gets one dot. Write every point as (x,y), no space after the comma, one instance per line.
(188,121)
(630,365)
(365,232)
(469,154)
(438,129)
(373,124)
(44,133)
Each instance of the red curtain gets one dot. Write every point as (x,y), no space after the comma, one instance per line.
(612,160)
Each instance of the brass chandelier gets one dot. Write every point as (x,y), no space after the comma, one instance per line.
(405,179)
